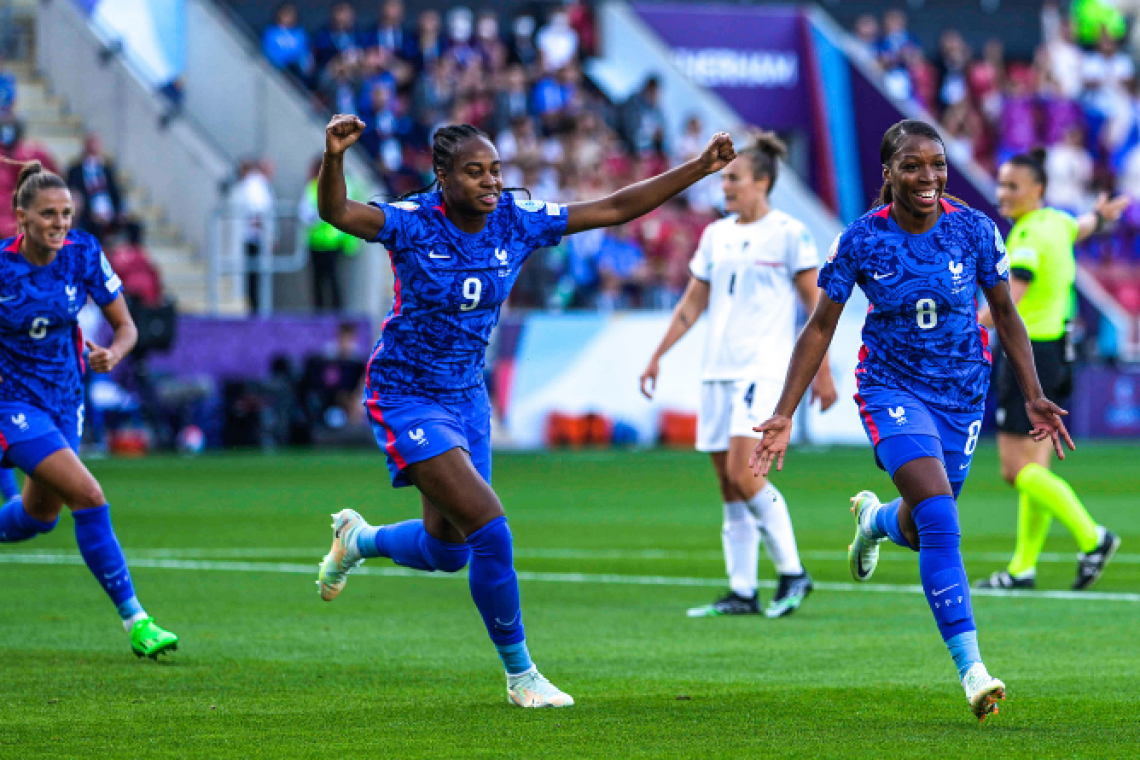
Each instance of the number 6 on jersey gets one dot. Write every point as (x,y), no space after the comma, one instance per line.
(472,290)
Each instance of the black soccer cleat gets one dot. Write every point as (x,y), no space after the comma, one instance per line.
(731,604)
(1006,582)
(790,594)
(1091,565)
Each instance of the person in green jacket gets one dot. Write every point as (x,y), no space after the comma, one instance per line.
(326,244)
(1042,273)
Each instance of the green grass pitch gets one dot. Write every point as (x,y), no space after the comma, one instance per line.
(612,547)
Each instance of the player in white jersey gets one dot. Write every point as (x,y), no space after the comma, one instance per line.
(748,270)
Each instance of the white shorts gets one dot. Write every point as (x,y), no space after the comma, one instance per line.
(731,408)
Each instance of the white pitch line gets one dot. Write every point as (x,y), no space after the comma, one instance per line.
(585,554)
(593,578)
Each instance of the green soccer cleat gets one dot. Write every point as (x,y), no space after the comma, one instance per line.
(342,557)
(148,640)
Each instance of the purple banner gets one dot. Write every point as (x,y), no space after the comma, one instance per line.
(1106,404)
(753,58)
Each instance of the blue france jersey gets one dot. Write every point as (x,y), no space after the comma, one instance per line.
(449,287)
(41,348)
(921,333)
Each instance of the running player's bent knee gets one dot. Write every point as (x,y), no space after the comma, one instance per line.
(937,522)
(88,496)
(445,557)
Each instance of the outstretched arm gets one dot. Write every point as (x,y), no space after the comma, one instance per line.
(1043,413)
(688,311)
(639,199)
(358,219)
(1104,212)
(807,357)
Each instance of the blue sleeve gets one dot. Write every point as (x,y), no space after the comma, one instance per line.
(540,224)
(401,219)
(993,261)
(840,272)
(99,278)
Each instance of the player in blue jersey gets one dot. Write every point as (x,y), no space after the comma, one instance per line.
(922,376)
(456,251)
(46,275)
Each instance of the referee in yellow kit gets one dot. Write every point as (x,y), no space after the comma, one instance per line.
(1043,270)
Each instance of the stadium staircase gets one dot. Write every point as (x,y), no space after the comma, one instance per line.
(49,123)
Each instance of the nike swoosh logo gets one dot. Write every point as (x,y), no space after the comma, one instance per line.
(509,624)
(943,591)
(963,466)
(882,276)
(437,256)
(109,576)
(9,298)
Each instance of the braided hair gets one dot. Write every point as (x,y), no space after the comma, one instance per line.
(892,143)
(444,146)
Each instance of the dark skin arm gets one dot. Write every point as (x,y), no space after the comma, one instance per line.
(126,336)
(358,219)
(639,199)
(1043,413)
(811,348)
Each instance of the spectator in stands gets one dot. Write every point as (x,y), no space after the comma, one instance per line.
(429,42)
(1069,167)
(581,19)
(1017,121)
(390,34)
(460,29)
(7,93)
(642,118)
(511,100)
(1061,56)
(1095,19)
(489,45)
(142,282)
(338,84)
(557,42)
(953,58)
(254,205)
(338,39)
(286,45)
(388,125)
(867,38)
(622,270)
(374,73)
(434,92)
(14,147)
(523,50)
(896,38)
(332,383)
(95,186)
(1108,74)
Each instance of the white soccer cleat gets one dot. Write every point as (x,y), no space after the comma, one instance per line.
(343,556)
(982,691)
(531,689)
(863,553)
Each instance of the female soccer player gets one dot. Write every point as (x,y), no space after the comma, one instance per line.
(456,251)
(46,274)
(748,269)
(1042,268)
(922,376)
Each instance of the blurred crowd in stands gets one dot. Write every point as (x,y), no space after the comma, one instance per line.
(1079,97)
(520,80)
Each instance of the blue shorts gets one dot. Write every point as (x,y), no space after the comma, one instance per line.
(29,435)
(411,429)
(902,429)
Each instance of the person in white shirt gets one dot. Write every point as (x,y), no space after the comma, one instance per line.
(749,269)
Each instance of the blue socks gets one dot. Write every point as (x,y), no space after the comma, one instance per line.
(495,589)
(104,557)
(494,585)
(9,489)
(964,649)
(408,544)
(18,525)
(886,524)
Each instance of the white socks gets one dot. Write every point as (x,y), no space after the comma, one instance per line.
(129,623)
(771,513)
(741,539)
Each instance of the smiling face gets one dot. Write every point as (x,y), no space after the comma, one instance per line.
(47,220)
(1018,191)
(917,176)
(474,182)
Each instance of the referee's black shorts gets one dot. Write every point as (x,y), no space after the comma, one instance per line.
(1054,372)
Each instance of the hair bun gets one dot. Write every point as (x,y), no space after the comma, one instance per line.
(29,168)
(1038,154)
(767,142)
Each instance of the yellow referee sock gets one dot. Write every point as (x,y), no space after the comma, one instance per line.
(1052,494)
(1032,530)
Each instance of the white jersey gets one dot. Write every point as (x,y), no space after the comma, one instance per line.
(751,269)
